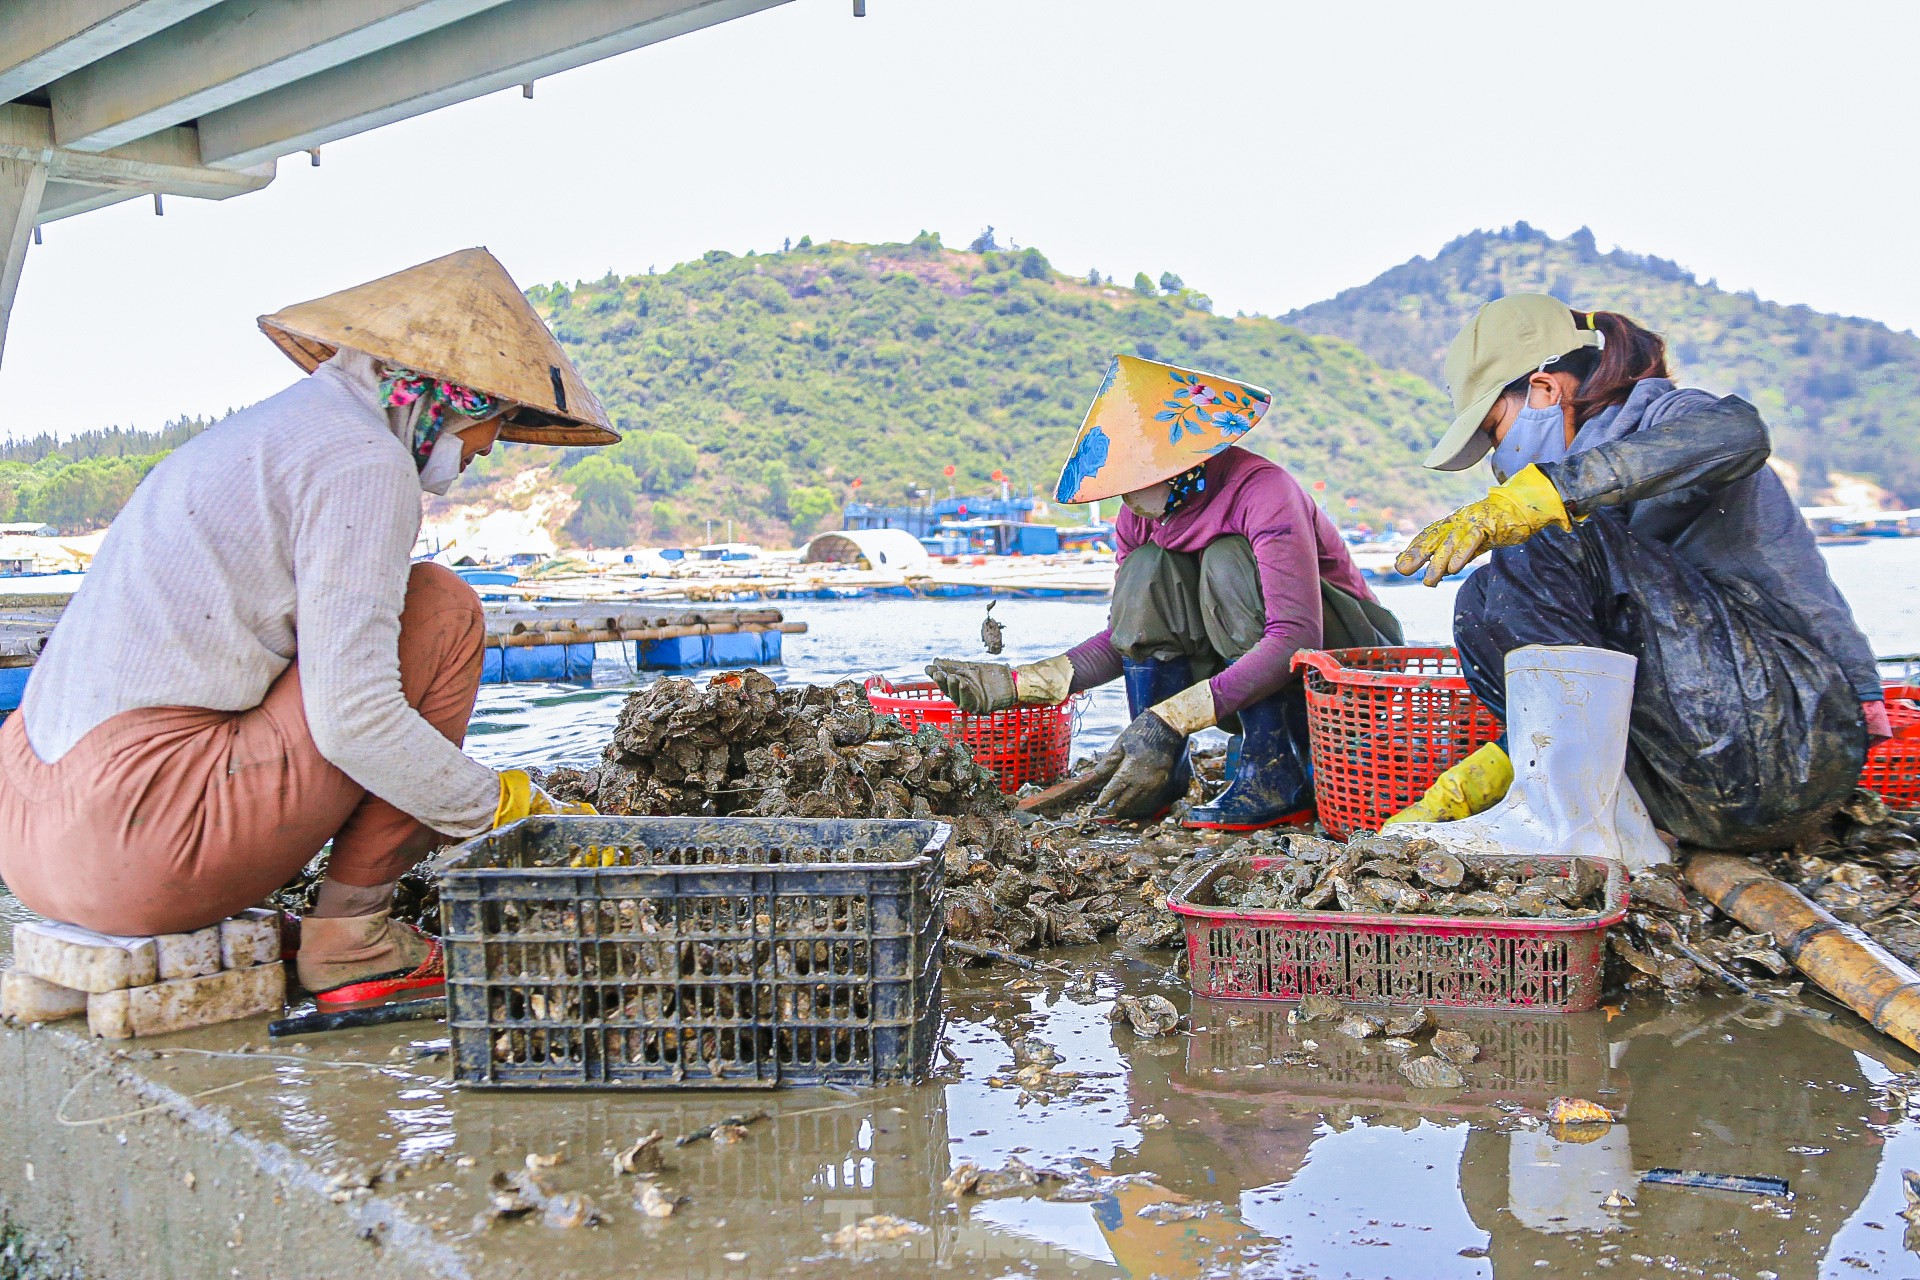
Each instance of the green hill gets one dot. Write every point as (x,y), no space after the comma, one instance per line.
(759,388)
(1841,394)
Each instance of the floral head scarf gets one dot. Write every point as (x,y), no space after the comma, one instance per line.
(403,388)
(1184,487)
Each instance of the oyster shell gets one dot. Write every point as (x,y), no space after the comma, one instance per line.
(1432,1073)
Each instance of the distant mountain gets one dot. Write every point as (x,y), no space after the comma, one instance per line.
(759,388)
(1841,394)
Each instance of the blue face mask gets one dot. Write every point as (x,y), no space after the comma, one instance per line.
(1537,435)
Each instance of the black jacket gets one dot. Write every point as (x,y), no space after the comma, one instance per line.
(1691,472)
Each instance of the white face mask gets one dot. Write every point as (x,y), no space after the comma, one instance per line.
(443,465)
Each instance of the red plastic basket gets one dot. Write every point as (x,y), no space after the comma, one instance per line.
(1021,745)
(1893,766)
(1384,724)
(1471,962)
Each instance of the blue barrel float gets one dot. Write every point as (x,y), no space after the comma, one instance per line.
(557,642)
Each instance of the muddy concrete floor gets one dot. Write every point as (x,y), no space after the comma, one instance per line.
(1248,1164)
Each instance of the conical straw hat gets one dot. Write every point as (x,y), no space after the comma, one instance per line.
(1151,421)
(461,319)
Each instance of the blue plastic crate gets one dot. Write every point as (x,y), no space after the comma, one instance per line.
(715,951)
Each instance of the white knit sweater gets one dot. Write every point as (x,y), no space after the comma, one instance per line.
(286,528)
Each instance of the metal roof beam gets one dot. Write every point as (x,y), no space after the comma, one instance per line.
(41,40)
(167,162)
(228,54)
(66,199)
(509,45)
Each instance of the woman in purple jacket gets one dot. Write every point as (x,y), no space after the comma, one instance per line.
(1226,570)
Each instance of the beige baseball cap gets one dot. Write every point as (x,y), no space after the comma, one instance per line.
(1507,338)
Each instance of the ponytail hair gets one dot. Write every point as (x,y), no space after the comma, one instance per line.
(1631,353)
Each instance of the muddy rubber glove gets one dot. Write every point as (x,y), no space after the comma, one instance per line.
(1476,783)
(1189,711)
(1138,768)
(1879,727)
(986,687)
(521,797)
(1510,514)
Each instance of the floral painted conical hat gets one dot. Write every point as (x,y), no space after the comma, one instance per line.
(1151,421)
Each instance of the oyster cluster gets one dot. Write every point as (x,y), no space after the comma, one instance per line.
(1069,887)
(1388,874)
(1862,864)
(740,745)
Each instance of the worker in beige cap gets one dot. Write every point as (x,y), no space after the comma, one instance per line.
(252,667)
(1655,625)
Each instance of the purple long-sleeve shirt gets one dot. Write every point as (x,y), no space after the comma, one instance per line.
(1295,544)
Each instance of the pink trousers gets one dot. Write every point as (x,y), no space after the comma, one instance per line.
(166,819)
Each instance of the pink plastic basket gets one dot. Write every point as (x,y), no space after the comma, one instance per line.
(1469,962)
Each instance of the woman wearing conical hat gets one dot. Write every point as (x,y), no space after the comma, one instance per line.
(1637,518)
(1226,569)
(253,667)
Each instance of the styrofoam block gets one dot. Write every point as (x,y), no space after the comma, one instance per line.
(29,999)
(250,938)
(187,1002)
(189,955)
(82,960)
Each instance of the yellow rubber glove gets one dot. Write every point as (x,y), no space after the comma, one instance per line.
(521,798)
(1509,515)
(1476,783)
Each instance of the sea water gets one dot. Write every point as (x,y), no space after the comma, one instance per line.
(552,724)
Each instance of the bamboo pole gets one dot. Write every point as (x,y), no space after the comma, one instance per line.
(1843,961)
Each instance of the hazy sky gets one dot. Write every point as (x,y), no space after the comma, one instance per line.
(1271,153)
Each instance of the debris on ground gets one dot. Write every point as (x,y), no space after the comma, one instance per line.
(1149,1016)
(571,1209)
(1396,874)
(1319,1007)
(729,1123)
(1579,1114)
(1456,1047)
(645,1156)
(881,1228)
(1429,1072)
(1361,1025)
(655,1201)
(1862,864)
(1175,1211)
(969,1179)
(516,1194)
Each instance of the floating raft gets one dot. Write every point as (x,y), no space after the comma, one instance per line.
(524,641)
(556,641)
(25,624)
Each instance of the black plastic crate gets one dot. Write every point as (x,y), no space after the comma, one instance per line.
(665,952)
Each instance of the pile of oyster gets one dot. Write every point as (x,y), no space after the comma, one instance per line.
(741,745)
(1389,874)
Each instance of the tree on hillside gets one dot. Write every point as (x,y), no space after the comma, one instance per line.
(983,243)
(1171,283)
(1093,276)
(604,488)
(1143,284)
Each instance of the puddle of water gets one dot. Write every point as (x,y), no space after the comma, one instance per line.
(1336,1169)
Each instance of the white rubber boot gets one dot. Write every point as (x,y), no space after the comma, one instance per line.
(1567,710)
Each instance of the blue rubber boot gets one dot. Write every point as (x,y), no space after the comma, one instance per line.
(1150,681)
(1273,786)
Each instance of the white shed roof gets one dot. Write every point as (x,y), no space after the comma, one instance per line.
(881,548)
